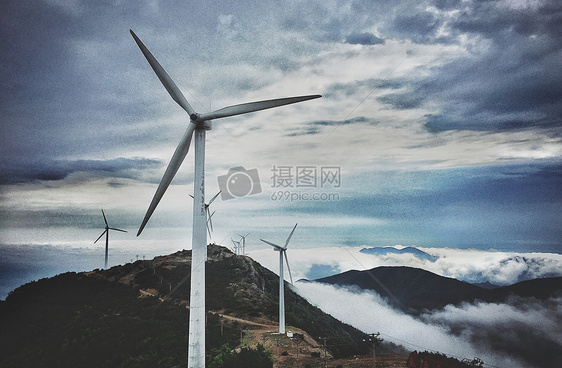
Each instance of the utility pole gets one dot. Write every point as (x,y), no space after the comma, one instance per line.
(298,338)
(374,340)
(324,348)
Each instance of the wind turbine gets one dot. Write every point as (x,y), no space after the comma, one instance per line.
(106,232)
(209,214)
(282,252)
(243,243)
(197,127)
(236,246)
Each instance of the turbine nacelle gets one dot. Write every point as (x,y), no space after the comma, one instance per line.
(283,251)
(106,233)
(276,247)
(107,228)
(201,124)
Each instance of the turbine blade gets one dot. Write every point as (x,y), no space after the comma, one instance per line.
(288,268)
(209,231)
(171,170)
(102,234)
(104,219)
(290,235)
(166,80)
(215,197)
(272,244)
(254,106)
(112,228)
(210,221)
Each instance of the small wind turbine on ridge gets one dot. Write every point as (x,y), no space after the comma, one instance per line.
(197,127)
(106,232)
(236,246)
(243,239)
(209,214)
(282,252)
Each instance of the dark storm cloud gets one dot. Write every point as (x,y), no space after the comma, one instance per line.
(70,84)
(402,101)
(49,170)
(512,76)
(356,120)
(420,27)
(365,38)
(315,126)
(342,90)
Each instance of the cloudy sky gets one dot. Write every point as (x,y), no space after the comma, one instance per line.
(439,125)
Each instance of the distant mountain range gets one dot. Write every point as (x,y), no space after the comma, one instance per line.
(383,251)
(415,290)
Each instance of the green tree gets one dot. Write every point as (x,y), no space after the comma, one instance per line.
(224,357)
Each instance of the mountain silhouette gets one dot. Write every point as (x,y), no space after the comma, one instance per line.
(383,251)
(415,290)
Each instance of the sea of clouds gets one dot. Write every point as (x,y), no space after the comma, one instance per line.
(519,333)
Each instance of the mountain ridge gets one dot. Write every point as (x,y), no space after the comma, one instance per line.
(415,290)
(383,251)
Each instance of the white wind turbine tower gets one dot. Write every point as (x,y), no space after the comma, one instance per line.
(106,232)
(197,126)
(282,252)
(243,239)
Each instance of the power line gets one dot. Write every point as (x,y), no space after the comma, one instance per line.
(324,348)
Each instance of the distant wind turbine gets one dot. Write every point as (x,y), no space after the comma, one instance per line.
(243,239)
(106,232)
(236,246)
(198,125)
(209,214)
(282,252)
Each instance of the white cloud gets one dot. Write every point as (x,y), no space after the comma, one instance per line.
(369,313)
